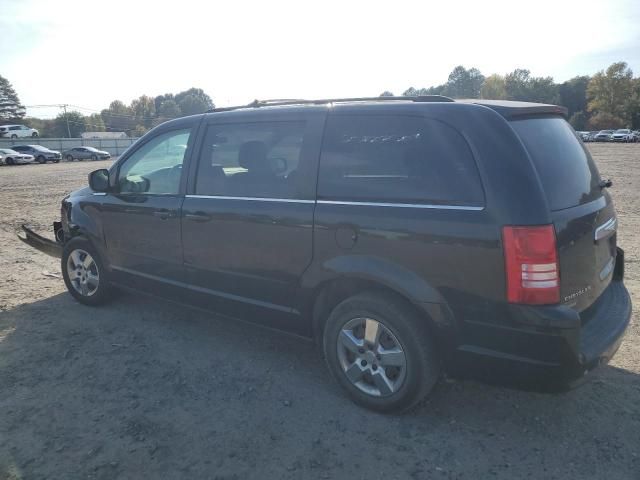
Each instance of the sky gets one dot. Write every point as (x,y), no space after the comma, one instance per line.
(88,53)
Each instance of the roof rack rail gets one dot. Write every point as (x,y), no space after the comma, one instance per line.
(287,101)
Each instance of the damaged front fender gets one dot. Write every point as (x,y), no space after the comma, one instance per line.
(50,247)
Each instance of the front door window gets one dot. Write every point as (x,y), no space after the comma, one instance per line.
(155,167)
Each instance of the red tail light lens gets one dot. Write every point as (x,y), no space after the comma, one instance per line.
(531,262)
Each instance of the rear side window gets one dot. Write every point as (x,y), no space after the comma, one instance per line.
(391,158)
(251,160)
(568,174)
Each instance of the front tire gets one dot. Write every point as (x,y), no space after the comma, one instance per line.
(381,352)
(84,273)
(41,159)
(34,134)
(10,161)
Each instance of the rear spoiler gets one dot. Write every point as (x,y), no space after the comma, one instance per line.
(511,109)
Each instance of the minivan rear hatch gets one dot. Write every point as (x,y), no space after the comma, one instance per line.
(581,210)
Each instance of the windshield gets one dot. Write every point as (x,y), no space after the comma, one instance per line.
(565,167)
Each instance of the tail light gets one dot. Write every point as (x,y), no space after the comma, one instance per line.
(531,263)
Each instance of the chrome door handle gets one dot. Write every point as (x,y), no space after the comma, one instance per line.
(198,217)
(162,214)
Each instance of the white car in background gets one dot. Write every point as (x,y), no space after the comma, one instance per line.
(622,135)
(11,157)
(17,131)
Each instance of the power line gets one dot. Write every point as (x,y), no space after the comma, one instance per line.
(111,114)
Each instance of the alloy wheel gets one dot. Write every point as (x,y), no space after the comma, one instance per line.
(83,272)
(371,357)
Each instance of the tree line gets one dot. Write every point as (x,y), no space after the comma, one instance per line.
(608,99)
(135,119)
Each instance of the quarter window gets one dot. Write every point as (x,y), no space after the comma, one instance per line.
(405,159)
(251,160)
(156,166)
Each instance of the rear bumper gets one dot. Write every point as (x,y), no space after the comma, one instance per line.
(41,243)
(548,346)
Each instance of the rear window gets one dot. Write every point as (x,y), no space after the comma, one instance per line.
(567,171)
(391,158)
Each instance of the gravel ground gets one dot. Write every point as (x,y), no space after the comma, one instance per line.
(141,388)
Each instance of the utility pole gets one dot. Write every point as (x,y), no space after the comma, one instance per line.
(66,117)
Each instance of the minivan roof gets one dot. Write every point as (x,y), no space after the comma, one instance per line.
(506,108)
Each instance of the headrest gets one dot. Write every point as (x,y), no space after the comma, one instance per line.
(253,155)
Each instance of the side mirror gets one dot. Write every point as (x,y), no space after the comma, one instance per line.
(99,180)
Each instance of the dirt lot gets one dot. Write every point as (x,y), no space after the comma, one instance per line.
(141,388)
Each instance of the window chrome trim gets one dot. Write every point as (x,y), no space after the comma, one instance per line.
(340,202)
(252,199)
(403,205)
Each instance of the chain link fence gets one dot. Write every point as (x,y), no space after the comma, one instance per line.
(115,146)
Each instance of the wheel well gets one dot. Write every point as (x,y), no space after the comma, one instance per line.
(332,292)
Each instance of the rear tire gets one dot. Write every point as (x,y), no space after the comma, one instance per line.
(84,273)
(14,136)
(10,161)
(392,373)
(69,158)
(34,134)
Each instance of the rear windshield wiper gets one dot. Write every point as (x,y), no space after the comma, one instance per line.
(605,184)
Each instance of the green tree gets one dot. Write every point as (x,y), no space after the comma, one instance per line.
(516,84)
(192,104)
(494,88)
(118,117)
(94,123)
(463,83)
(543,90)
(520,85)
(198,101)
(144,109)
(604,120)
(75,122)
(579,120)
(413,92)
(609,91)
(168,109)
(633,105)
(161,98)
(10,106)
(573,94)
(138,131)
(386,93)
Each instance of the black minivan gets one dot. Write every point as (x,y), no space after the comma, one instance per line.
(408,236)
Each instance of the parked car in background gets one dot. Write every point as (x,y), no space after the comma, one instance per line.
(85,153)
(585,136)
(636,135)
(41,154)
(603,136)
(622,135)
(17,131)
(11,157)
